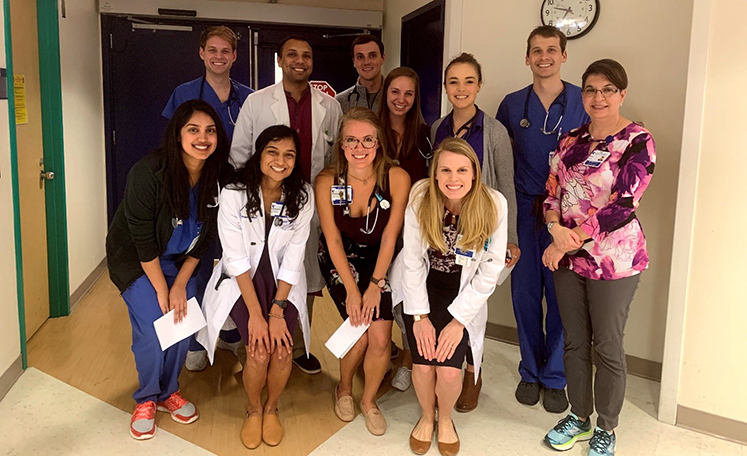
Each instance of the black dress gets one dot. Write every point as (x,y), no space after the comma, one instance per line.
(442,284)
(361,238)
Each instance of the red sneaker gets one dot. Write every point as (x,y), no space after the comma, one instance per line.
(181,410)
(143,422)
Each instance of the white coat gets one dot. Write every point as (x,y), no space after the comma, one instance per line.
(477,282)
(242,236)
(269,106)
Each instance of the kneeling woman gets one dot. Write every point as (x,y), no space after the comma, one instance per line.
(263,222)
(159,232)
(361,201)
(454,250)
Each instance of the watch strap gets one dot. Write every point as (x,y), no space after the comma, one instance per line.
(282,303)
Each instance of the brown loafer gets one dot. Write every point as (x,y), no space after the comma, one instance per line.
(375,421)
(272,430)
(449,449)
(470,393)
(420,446)
(251,431)
(344,408)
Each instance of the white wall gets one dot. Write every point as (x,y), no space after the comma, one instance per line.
(651,40)
(713,367)
(10,340)
(394,11)
(83,128)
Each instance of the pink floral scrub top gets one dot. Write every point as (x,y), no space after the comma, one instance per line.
(600,190)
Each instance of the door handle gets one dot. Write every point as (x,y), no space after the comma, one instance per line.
(48,175)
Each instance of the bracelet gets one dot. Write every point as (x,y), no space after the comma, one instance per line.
(281,317)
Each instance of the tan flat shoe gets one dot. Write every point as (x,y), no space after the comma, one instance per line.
(272,430)
(375,421)
(344,408)
(449,449)
(420,446)
(251,431)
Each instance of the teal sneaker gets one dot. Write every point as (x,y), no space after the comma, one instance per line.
(567,432)
(602,444)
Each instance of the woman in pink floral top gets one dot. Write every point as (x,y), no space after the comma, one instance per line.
(597,178)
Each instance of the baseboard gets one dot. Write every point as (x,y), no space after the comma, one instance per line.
(85,287)
(10,376)
(713,425)
(639,367)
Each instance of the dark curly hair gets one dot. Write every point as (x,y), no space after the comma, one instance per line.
(249,177)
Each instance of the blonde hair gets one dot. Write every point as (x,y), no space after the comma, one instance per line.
(479,214)
(382,163)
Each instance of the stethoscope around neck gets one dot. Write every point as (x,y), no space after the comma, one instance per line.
(232,97)
(561,99)
(380,203)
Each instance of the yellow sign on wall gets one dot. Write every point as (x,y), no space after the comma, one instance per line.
(19,94)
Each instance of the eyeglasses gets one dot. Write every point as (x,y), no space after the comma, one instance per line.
(607,91)
(351,142)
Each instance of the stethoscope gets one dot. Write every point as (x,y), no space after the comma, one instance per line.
(232,97)
(176,221)
(561,99)
(467,127)
(278,219)
(381,203)
(358,97)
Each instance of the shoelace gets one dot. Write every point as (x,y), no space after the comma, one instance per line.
(175,401)
(144,411)
(601,441)
(565,424)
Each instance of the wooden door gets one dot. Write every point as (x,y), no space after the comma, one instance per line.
(30,154)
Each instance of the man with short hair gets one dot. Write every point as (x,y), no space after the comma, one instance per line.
(536,117)
(218,52)
(368,58)
(316,117)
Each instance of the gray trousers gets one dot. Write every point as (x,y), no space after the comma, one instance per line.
(594,313)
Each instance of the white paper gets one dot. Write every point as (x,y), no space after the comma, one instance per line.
(344,338)
(504,275)
(169,333)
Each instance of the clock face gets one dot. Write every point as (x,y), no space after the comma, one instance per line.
(572,17)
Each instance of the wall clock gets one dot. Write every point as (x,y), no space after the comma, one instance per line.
(575,18)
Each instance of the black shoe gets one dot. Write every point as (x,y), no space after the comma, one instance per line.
(528,393)
(555,400)
(394,351)
(308,365)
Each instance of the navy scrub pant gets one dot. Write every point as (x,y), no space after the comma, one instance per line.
(540,335)
(158,371)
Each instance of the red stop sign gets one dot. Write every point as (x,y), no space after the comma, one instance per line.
(324,87)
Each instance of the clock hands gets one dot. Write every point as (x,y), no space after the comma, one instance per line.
(567,10)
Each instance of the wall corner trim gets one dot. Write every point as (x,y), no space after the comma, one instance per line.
(87,284)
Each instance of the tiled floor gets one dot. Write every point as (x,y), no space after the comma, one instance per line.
(41,415)
(502,426)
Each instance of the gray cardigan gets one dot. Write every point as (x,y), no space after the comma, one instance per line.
(497,165)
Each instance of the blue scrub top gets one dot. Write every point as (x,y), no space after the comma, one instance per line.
(532,148)
(227,111)
(474,135)
(183,238)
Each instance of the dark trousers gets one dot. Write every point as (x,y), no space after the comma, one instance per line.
(540,334)
(594,313)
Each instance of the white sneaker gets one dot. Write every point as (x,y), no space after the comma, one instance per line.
(237,348)
(402,379)
(196,360)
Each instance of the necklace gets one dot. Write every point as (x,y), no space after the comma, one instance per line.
(365,181)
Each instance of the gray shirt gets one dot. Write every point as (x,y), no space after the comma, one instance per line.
(357,96)
(497,166)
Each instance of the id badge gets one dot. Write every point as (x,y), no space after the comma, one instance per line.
(277,209)
(463,257)
(338,195)
(596,158)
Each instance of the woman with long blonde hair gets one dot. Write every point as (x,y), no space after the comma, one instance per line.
(454,249)
(361,201)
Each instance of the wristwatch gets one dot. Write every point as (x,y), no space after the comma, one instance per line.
(550,225)
(282,303)
(381,283)
(420,317)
